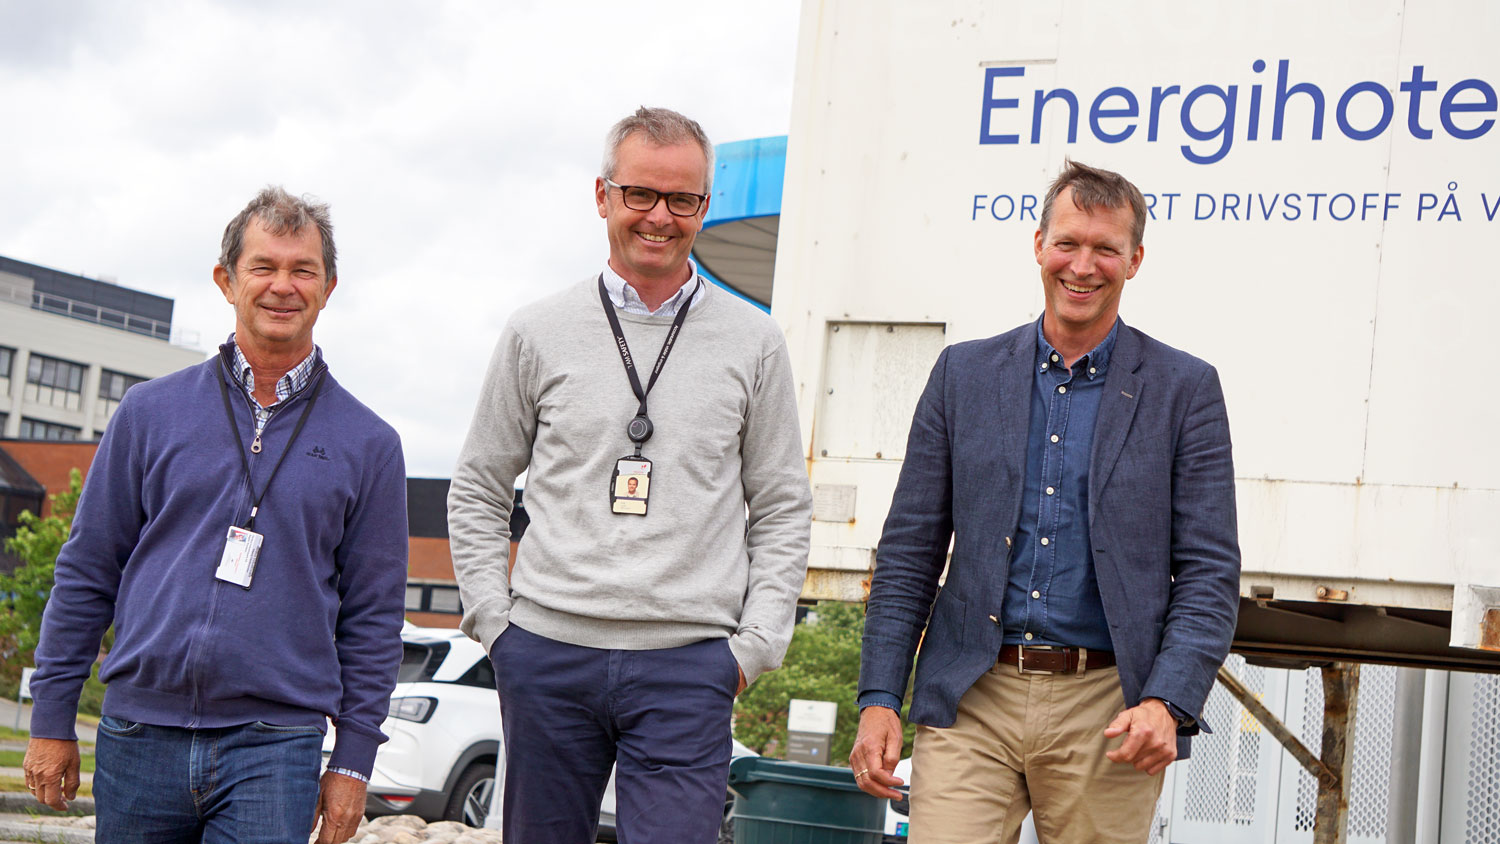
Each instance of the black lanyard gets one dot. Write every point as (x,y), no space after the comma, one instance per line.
(240,442)
(639,429)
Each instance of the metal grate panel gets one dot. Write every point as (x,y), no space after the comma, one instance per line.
(1482,803)
(1309,731)
(1222,776)
(1159,820)
(1369,790)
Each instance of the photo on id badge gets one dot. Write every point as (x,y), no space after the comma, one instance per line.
(631,486)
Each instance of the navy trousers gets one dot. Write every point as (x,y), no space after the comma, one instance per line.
(571,712)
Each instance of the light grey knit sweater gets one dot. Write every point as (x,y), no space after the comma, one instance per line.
(726,446)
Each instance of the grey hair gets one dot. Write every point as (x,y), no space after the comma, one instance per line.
(280,213)
(663,127)
(1094,187)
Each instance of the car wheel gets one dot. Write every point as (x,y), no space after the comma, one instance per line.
(470,802)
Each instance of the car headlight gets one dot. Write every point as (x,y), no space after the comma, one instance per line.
(417,709)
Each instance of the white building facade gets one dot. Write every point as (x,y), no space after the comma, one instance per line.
(71,346)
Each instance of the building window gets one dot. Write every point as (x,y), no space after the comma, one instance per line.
(433,597)
(112,385)
(443,599)
(54,382)
(36,429)
(7,359)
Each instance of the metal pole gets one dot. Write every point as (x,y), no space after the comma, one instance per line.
(1340,707)
(1406,745)
(1434,747)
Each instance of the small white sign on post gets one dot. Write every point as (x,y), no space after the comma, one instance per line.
(23,693)
(812,716)
(809,730)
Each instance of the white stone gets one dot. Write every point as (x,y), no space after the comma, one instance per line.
(399,822)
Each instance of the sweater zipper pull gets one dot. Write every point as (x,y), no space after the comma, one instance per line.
(255,446)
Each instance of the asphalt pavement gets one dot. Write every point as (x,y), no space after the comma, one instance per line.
(22,721)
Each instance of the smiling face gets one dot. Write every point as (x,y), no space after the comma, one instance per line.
(652,247)
(1086,257)
(277,290)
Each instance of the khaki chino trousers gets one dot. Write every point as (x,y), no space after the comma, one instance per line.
(1030,742)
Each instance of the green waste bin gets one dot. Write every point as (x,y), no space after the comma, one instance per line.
(778,802)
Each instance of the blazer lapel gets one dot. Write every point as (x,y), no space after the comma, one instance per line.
(1122,389)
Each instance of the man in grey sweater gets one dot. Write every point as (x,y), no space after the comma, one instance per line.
(632,618)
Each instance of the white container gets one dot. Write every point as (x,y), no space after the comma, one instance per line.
(1346,287)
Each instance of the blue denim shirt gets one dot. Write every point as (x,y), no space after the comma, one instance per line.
(1052,596)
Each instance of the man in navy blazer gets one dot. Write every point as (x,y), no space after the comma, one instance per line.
(1082,472)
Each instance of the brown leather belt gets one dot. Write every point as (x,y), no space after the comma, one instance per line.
(1046,659)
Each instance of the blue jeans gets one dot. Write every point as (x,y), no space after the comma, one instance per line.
(253,783)
(570,712)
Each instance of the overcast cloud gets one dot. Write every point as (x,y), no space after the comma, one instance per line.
(456,142)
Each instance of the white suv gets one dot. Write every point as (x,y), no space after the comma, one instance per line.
(445,739)
(444,729)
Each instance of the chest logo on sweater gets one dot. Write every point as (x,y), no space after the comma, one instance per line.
(318,452)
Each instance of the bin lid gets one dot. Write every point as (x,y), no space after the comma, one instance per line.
(760,769)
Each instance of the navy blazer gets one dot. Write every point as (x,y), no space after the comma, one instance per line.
(1161,523)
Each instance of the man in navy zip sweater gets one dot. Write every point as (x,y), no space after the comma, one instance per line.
(227,663)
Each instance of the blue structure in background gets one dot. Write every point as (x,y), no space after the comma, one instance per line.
(737,247)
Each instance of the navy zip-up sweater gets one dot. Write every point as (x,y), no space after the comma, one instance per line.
(317,633)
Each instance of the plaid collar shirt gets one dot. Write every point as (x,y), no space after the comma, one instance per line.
(626,299)
(286,387)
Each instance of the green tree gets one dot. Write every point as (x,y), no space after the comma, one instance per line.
(24,592)
(822,663)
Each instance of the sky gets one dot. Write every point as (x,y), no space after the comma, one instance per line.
(456,142)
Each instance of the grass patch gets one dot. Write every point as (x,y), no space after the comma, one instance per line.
(14,758)
(12,734)
(19,784)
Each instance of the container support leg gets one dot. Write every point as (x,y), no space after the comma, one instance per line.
(1340,705)
(1306,758)
(1340,698)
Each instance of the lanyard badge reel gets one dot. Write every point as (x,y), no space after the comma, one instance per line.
(630,484)
(242,544)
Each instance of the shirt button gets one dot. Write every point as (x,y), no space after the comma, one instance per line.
(1062,389)
(1054,438)
(1054,358)
(996,620)
(1092,370)
(1044,367)
(1036,594)
(1050,490)
(1044,540)
(1028,637)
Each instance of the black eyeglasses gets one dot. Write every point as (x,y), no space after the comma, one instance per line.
(638,198)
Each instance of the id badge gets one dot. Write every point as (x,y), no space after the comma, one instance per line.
(630,486)
(241,550)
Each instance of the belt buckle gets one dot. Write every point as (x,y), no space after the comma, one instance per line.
(1021,659)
